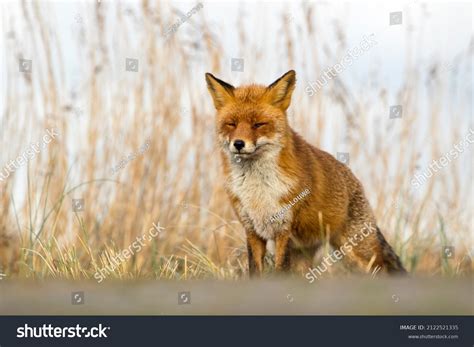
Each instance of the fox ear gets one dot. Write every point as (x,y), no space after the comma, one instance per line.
(279,92)
(221,92)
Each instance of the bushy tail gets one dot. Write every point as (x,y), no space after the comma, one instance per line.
(391,261)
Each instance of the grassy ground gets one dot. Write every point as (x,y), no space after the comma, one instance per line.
(350,296)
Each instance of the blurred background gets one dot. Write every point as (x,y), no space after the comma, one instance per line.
(122,84)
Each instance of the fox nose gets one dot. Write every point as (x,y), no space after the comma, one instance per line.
(239,144)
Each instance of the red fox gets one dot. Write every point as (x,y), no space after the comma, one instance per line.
(267,164)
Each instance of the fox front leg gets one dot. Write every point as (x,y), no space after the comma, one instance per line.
(256,247)
(282,251)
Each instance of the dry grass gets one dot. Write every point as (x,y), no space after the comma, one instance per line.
(177,182)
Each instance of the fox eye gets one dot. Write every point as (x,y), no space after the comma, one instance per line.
(258,125)
(231,124)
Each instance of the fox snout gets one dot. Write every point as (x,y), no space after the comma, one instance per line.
(241,146)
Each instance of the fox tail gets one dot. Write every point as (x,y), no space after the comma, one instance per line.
(391,261)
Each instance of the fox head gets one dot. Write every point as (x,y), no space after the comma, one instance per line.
(251,120)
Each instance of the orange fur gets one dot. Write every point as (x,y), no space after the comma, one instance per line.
(273,166)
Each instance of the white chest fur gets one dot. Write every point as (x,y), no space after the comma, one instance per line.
(260,185)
